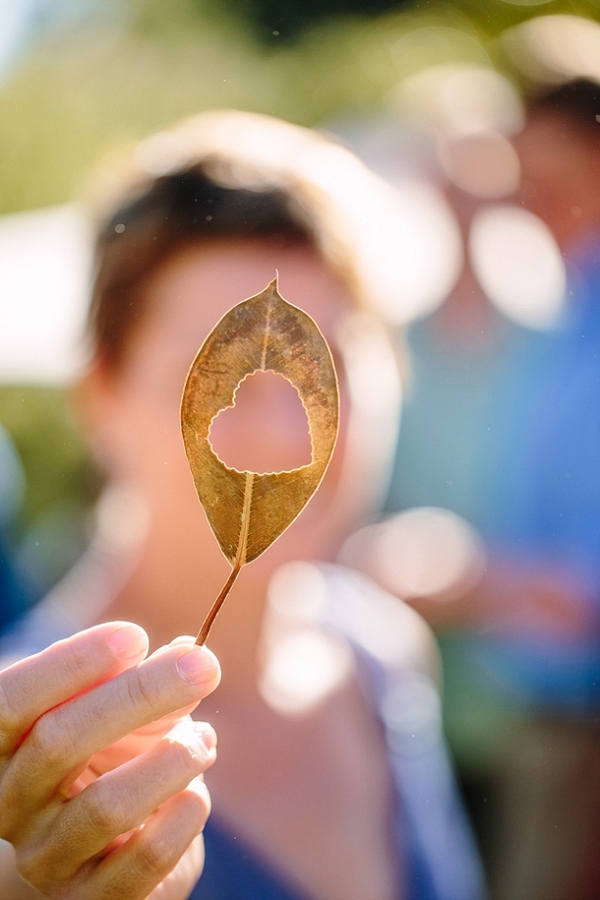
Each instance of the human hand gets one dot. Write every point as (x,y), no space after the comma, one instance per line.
(101,792)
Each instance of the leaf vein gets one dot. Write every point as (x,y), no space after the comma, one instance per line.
(240,557)
(263,358)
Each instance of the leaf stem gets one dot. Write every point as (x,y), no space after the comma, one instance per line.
(213,611)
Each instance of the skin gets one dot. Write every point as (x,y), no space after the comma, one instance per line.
(560,163)
(95,742)
(266,770)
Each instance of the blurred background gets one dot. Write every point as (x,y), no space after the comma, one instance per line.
(497,186)
(81,79)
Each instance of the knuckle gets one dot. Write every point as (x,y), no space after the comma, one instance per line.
(188,760)
(75,662)
(44,865)
(10,715)
(52,741)
(158,855)
(105,812)
(196,802)
(32,867)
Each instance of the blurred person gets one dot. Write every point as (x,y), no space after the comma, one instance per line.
(519,610)
(471,370)
(332,780)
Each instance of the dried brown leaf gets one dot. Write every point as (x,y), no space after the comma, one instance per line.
(248,511)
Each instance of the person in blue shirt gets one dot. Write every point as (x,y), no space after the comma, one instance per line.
(505,431)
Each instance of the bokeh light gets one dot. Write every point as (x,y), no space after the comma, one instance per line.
(551,49)
(301,664)
(45,261)
(519,264)
(456,99)
(484,164)
(419,552)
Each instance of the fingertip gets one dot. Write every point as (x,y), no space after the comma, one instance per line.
(199,665)
(206,661)
(128,641)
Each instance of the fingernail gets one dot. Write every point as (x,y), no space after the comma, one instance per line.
(197,666)
(128,642)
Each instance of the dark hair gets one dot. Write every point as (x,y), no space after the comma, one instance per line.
(229,175)
(578,100)
(172,212)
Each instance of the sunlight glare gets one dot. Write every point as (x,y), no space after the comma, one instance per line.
(518,264)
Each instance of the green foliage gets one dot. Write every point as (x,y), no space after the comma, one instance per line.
(142,63)
(286,20)
(58,471)
(105,83)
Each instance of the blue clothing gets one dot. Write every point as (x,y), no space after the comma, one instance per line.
(14,598)
(464,410)
(12,595)
(233,872)
(555,483)
(553,507)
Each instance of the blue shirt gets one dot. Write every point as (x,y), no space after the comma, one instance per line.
(552,509)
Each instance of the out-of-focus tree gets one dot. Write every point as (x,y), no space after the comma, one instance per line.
(287,19)
(130,66)
(274,21)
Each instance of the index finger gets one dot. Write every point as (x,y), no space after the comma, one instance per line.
(36,684)
(67,737)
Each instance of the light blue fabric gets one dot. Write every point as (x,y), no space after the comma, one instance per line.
(462,414)
(552,509)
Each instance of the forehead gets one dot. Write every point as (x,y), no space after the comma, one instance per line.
(196,287)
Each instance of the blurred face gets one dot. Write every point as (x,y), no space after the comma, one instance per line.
(560,167)
(139,406)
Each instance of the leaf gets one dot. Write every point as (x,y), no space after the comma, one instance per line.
(248,511)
